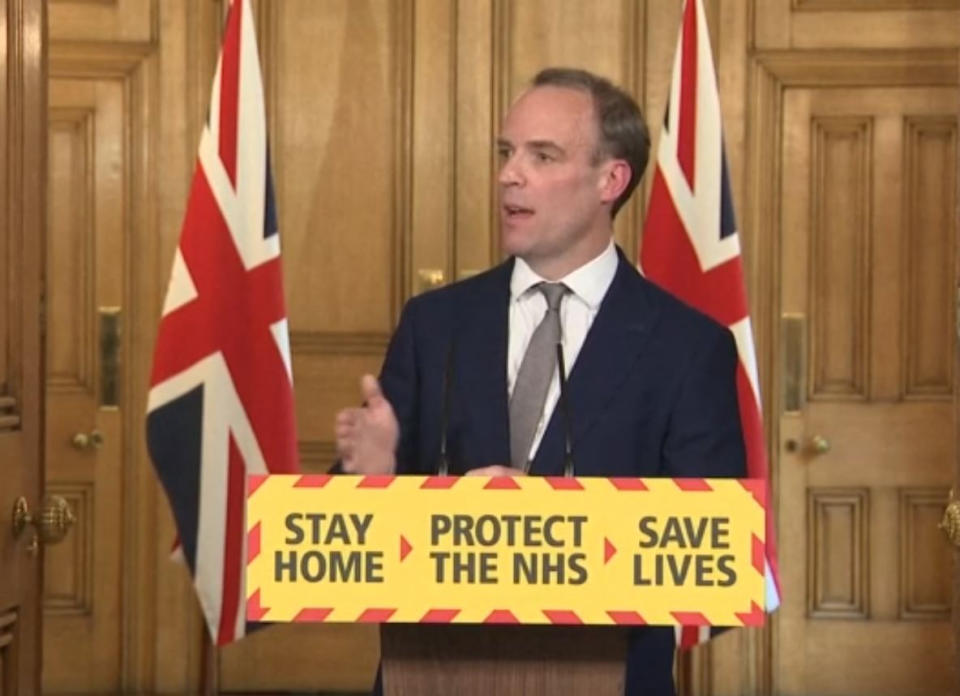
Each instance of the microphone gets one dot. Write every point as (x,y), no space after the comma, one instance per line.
(565,412)
(443,466)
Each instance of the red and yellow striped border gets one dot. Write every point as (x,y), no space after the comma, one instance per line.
(410,597)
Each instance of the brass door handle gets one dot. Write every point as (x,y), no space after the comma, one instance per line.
(84,441)
(430,278)
(819,444)
(950,524)
(51,525)
(816,445)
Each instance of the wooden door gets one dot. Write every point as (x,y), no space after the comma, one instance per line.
(98,141)
(868,200)
(85,262)
(22,142)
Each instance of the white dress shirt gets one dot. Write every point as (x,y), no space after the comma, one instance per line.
(588,285)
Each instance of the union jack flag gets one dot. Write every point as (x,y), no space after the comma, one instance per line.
(691,246)
(221,391)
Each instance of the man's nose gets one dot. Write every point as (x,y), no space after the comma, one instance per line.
(510,174)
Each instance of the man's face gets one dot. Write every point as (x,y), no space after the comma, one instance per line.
(551,189)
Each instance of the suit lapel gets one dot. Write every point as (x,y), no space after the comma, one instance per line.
(610,350)
(482,351)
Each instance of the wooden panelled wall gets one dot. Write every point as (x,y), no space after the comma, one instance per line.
(381,115)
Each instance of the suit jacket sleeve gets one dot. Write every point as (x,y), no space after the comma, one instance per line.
(704,436)
(400,380)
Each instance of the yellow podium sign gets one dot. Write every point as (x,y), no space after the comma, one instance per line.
(505,550)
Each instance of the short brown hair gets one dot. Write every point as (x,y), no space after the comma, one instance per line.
(623,133)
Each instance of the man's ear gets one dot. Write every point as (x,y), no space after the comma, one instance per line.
(615,179)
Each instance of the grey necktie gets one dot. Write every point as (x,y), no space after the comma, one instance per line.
(534,377)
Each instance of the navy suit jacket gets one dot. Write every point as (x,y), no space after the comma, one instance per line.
(652,393)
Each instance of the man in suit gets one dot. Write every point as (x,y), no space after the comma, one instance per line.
(651,388)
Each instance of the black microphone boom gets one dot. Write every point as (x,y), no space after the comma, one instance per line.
(443,466)
(565,412)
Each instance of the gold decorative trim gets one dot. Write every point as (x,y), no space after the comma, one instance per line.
(794,340)
(429,278)
(950,522)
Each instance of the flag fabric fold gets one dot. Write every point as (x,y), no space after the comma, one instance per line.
(691,246)
(220,404)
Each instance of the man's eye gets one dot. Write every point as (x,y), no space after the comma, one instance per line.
(503,153)
(543,157)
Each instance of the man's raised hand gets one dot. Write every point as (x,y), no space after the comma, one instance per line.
(367,436)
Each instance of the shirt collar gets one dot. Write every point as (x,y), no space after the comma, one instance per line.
(589,282)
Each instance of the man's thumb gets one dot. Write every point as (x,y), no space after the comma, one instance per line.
(370,390)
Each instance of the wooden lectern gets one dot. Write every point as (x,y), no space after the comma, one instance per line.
(495,660)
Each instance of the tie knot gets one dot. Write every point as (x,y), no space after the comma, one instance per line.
(553,293)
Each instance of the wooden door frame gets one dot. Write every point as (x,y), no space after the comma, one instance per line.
(770,74)
(161,628)
(956,407)
(23,182)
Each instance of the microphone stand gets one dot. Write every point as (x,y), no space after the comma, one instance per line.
(565,412)
(443,466)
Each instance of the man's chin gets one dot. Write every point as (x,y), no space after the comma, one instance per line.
(513,240)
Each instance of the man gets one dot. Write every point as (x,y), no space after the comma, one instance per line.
(651,388)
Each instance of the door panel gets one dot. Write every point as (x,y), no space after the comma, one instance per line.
(84,438)
(869,190)
(22,176)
